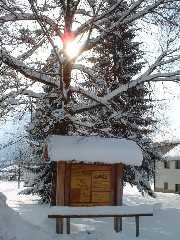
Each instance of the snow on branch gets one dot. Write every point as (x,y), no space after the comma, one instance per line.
(102,17)
(163,59)
(28,72)
(28,16)
(33,94)
(89,72)
(151,74)
(90,95)
(137,10)
(10,96)
(171,76)
(148,76)
(129,18)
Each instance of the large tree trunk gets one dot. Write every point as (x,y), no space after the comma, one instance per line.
(67,74)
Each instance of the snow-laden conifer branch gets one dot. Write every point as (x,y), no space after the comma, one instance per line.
(10,143)
(149,76)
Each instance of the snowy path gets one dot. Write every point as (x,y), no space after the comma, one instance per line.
(164,225)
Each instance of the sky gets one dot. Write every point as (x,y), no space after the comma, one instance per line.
(166,109)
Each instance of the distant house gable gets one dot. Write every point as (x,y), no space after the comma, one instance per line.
(167,173)
(173,154)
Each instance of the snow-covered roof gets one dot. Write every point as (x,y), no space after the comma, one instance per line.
(167,143)
(94,149)
(173,154)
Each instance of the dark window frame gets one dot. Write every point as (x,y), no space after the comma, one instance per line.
(177,188)
(177,164)
(167,165)
(165,185)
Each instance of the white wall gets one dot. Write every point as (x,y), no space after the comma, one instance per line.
(171,176)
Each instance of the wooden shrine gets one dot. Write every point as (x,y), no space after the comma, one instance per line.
(89,184)
(85,183)
(82,182)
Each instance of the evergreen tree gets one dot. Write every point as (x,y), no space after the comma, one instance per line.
(116,60)
(39,178)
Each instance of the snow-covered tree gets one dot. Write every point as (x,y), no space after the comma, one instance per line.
(79,97)
(39,174)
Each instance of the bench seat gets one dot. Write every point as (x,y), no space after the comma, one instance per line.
(60,212)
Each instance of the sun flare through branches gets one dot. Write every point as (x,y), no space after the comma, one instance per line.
(72,49)
(70,44)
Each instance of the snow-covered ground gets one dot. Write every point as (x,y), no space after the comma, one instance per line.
(21,218)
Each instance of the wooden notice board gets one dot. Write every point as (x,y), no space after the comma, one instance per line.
(90,185)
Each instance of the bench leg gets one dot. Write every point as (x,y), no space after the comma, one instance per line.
(59,225)
(118,224)
(68,225)
(137,225)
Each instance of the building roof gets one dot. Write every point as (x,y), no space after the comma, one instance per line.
(173,154)
(94,149)
(167,142)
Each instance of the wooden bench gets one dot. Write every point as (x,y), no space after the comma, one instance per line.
(60,212)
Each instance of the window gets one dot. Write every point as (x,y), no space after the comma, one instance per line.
(166,164)
(165,185)
(177,164)
(177,188)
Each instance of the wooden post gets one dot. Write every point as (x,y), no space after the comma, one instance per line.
(137,225)
(118,194)
(119,182)
(112,184)
(67,184)
(60,192)
(59,225)
(118,224)
(68,225)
